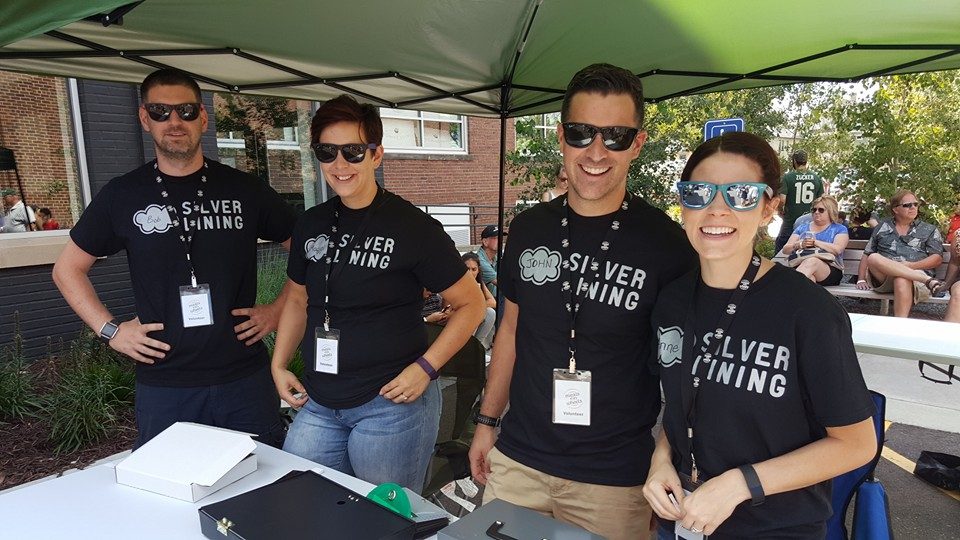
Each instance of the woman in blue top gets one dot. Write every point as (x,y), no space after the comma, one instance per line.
(828,234)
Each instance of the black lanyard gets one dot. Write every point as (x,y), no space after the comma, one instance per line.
(379,200)
(573,297)
(186,237)
(690,391)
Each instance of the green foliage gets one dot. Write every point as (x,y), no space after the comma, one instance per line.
(96,387)
(893,132)
(271,276)
(17,389)
(674,128)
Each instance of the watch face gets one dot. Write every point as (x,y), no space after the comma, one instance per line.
(109,330)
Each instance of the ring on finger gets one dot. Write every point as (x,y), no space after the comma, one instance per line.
(403,397)
(695,530)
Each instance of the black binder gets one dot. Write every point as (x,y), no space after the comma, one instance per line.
(305,505)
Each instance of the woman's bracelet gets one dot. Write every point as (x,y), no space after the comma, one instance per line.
(432,373)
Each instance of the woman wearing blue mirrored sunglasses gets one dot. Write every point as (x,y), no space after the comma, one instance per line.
(765,401)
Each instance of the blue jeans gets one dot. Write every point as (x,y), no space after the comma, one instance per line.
(379,441)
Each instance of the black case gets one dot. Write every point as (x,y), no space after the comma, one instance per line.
(302,505)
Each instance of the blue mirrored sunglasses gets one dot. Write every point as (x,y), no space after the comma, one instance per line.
(740,196)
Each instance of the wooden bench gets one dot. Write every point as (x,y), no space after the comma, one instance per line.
(851,265)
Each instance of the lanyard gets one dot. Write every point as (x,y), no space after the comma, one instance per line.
(186,237)
(379,200)
(573,297)
(689,337)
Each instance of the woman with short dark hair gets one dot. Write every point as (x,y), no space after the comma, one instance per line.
(370,404)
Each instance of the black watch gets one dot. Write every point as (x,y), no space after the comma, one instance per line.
(109,330)
(486,420)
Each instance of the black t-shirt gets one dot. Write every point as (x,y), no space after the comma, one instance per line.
(235,209)
(376,291)
(779,383)
(613,339)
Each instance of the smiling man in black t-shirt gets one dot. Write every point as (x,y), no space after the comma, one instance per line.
(190,228)
(576,441)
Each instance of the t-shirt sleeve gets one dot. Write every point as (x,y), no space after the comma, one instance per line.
(439,265)
(94,232)
(276,218)
(509,262)
(828,366)
(297,261)
(871,246)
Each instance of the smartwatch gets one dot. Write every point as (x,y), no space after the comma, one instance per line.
(486,420)
(109,330)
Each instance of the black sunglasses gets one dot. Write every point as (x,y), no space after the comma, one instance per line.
(353,153)
(910,205)
(616,138)
(160,112)
(819,210)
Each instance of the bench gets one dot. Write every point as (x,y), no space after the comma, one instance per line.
(851,265)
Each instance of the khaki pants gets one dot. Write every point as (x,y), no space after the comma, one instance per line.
(615,512)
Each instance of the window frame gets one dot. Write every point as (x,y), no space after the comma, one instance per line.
(420,119)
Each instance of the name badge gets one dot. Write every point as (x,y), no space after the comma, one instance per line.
(196,305)
(326,359)
(571,397)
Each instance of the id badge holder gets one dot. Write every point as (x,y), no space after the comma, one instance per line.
(196,305)
(571,397)
(679,531)
(326,359)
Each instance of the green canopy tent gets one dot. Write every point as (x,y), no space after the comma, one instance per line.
(500,58)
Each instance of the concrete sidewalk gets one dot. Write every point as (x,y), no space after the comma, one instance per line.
(911,399)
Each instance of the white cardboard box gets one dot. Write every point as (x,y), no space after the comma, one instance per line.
(189,461)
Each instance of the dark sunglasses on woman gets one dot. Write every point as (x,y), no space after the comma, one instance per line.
(910,205)
(160,112)
(819,210)
(352,153)
(740,196)
(616,138)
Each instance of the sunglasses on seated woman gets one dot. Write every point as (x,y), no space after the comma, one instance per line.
(740,196)
(352,153)
(616,138)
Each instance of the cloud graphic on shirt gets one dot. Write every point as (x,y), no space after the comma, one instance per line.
(315,249)
(669,345)
(539,265)
(152,219)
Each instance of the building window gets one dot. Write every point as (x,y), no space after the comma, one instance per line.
(423,132)
(546,124)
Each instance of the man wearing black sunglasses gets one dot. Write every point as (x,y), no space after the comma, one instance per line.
(190,228)
(902,256)
(580,276)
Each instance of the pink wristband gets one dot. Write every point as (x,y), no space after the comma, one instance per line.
(432,373)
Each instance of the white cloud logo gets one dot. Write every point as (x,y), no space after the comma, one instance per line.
(316,248)
(539,265)
(152,219)
(670,347)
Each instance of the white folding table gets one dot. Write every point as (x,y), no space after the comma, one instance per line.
(913,339)
(89,504)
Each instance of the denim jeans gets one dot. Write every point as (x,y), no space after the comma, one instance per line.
(379,441)
(484,332)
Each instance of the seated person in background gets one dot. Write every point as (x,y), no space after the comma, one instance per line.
(45,221)
(559,186)
(485,331)
(825,232)
(953,266)
(435,311)
(842,217)
(862,228)
(902,255)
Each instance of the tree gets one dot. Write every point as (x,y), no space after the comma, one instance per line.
(892,132)
(253,116)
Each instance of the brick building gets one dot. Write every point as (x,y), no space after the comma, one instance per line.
(35,124)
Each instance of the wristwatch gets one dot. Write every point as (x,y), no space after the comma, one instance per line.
(486,420)
(109,330)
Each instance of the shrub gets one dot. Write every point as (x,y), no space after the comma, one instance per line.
(271,276)
(17,392)
(95,389)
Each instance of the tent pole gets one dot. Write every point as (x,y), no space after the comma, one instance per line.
(503,189)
